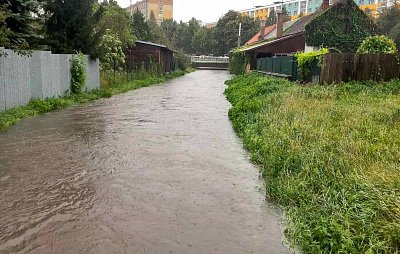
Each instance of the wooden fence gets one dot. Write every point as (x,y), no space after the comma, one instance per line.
(345,67)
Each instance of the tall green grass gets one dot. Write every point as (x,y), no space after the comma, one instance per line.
(330,155)
(35,107)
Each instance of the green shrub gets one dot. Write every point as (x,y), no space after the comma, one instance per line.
(377,44)
(78,73)
(183,61)
(307,62)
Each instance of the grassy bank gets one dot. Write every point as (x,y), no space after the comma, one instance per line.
(330,155)
(35,107)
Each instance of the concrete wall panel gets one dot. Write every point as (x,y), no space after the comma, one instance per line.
(2,84)
(35,63)
(92,73)
(40,76)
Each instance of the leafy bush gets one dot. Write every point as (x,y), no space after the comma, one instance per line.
(112,55)
(183,61)
(307,62)
(377,44)
(78,73)
(238,62)
(329,155)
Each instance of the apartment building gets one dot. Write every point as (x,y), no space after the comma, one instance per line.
(162,9)
(295,7)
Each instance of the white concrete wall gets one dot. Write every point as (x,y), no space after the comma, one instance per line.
(39,76)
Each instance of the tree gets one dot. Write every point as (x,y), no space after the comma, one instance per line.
(155,31)
(71,26)
(389,19)
(184,35)
(389,23)
(272,19)
(4,30)
(168,28)
(226,31)
(17,18)
(286,16)
(140,27)
(395,35)
(202,41)
(117,21)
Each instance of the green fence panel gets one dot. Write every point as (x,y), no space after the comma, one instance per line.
(284,65)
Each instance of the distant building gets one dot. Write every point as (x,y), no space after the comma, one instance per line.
(145,54)
(211,25)
(306,7)
(162,9)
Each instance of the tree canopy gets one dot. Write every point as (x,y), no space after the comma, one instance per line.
(19,23)
(227,29)
(71,26)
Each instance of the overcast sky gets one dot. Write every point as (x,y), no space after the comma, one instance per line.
(205,10)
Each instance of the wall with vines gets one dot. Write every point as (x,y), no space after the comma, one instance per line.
(238,62)
(343,26)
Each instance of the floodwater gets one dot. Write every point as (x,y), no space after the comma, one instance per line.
(155,170)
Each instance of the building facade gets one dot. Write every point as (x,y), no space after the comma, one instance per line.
(295,7)
(162,9)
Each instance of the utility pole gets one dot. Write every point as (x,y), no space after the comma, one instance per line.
(240,35)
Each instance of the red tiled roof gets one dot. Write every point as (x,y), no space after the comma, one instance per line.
(257,38)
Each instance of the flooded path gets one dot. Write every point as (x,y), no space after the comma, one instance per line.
(155,170)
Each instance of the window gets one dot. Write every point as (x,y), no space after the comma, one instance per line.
(309,10)
(295,13)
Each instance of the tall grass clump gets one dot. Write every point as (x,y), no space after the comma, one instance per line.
(330,155)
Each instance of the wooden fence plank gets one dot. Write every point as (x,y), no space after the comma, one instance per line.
(344,67)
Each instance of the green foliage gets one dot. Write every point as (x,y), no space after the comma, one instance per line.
(117,20)
(17,24)
(272,18)
(139,26)
(377,44)
(329,156)
(155,30)
(78,73)
(4,30)
(343,26)
(35,107)
(111,49)
(183,61)
(202,41)
(389,19)
(227,28)
(70,27)
(306,62)
(286,16)
(238,62)
(389,23)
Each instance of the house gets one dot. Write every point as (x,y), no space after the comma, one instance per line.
(341,26)
(146,55)
(269,32)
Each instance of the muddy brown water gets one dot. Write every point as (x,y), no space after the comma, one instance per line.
(155,170)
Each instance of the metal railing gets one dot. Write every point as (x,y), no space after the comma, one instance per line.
(209,59)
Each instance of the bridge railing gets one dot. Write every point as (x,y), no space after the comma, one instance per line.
(209,59)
